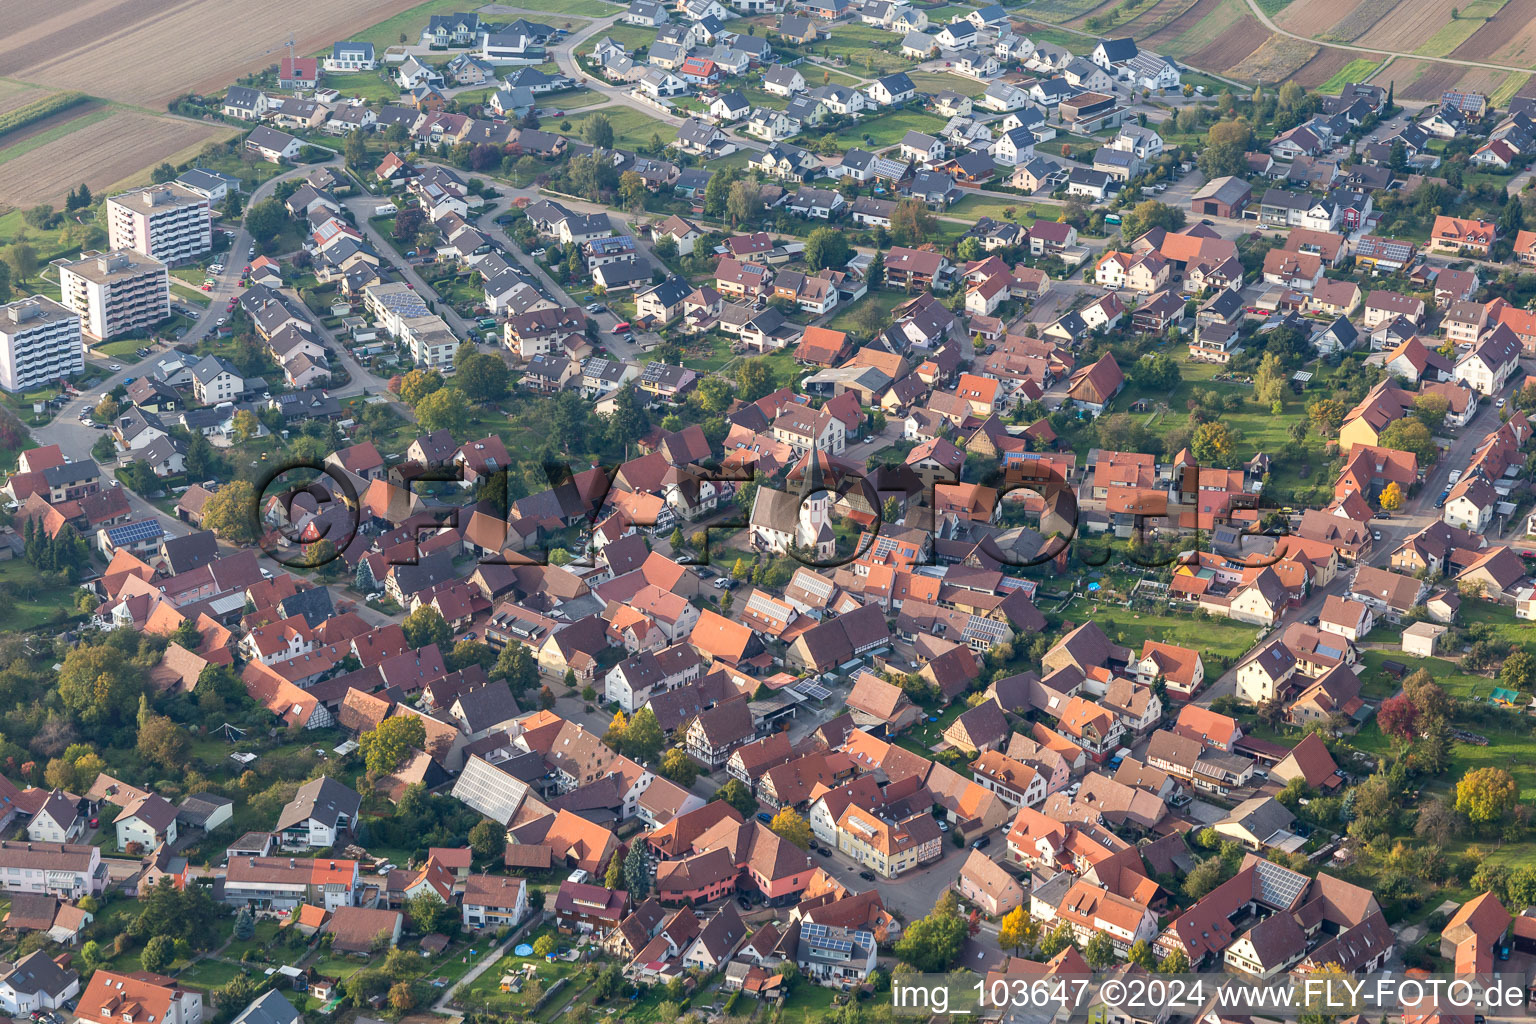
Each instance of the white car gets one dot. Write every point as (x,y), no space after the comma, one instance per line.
(114,367)
(219,322)
(87,422)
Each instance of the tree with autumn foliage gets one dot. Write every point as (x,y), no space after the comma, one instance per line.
(1398,717)
(1391,497)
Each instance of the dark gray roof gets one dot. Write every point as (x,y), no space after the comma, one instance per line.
(191,551)
(324,799)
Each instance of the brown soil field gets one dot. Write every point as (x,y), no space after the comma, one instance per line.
(1161,14)
(1419,79)
(1232,46)
(99,154)
(1322,67)
(1410,24)
(1483,80)
(18,94)
(1308,17)
(1183,23)
(1276,60)
(148,51)
(1360,19)
(1508,38)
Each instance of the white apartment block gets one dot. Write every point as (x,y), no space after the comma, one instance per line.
(39,342)
(116,292)
(169,222)
(69,870)
(432,344)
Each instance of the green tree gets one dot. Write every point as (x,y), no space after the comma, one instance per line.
(876,273)
(99,685)
(426,626)
(613,879)
(245,924)
(1269,380)
(1519,670)
(158,953)
(1059,939)
(930,944)
(679,767)
(230,512)
(1141,955)
(738,796)
(1100,951)
(912,223)
(1327,416)
(827,248)
(643,739)
(1149,214)
(1409,435)
(388,745)
(1204,877)
(632,190)
(164,742)
(1226,144)
(488,839)
(356,150)
(717,193)
(637,876)
(744,202)
(754,379)
(598,131)
(483,377)
(444,409)
(1175,962)
(265,219)
(427,911)
(21,259)
(788,824)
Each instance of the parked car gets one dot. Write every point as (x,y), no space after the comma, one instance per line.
(982,843)
(745,903)
(114,367)
(868,876)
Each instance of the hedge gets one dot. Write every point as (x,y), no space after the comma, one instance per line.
(43,108)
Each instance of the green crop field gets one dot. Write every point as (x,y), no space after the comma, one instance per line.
(1357,70)
(1059,11)
(1459,29)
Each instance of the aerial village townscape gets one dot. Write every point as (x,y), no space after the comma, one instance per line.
(698,510)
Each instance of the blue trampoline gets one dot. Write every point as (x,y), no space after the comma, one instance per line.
(524,950)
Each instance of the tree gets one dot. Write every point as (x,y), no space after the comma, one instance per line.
(356,150)
(389,744)
(643,739)
(1437,822)
(488,839)
(1327,415)
(1204,877)
(876,274)
(679,767)
(1269,379)
(1291,95)
(1212,444)
(930,944)
(1175,962)
(21,258)
(427,911)
(1391,497)
(483,377)
(632,190)
(402,995)
(1512,219)
(1518,671)
(1060,938)
(598,131)
(717,193)
(912,223)
(445,409)
(1158,373)
(1486,795)
(1140,954)
(613,878)
(738,796)
(1100,951)
(1398,717)
(1409,435)
(418,384)
(637,876)
(164,742)
(106,410)
(1226,142)
(1016,931)
(744,202)
(158,953)
(426,626)
(1431,410)
(754,379)
(827,248)
(99,685)
(265,219)
(1149,214)
(789,825)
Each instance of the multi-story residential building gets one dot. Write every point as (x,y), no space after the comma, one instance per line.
(494,901)
(169,222)
(835,957)
(282,883)
(39,342)
(115,292)
(68,870)
(113,998)
(888,848)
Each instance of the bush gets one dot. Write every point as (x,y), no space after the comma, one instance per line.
(43,108)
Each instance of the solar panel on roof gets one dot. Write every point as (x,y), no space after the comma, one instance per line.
(131,532)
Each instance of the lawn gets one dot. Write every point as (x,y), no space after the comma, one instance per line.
(1213,638)
(1257,428)
(186,293)
(485,991)
(932,82)
(370,85)
(211,974)
(32,600)
(576,8)
(847,316)
(718,355)
(807,1003)
(921,738)
(888,129)
(631,128)
(996,205)
(574,99)
(627,36)
(1357,70)
(865,48)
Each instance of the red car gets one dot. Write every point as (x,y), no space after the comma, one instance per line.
(620,327)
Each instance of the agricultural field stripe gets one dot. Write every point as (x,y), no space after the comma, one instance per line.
(1357,70)
(55,133)
(32,113)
